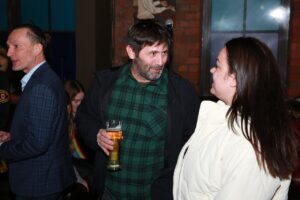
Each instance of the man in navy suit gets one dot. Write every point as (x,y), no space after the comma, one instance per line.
(40,165)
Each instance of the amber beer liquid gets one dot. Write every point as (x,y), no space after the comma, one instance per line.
(114,155)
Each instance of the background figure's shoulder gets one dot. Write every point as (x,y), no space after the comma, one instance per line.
(178,79)
(108,73)
(182,86)
(105,78)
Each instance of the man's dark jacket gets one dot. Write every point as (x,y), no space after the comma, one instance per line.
(183,107)
(39,158)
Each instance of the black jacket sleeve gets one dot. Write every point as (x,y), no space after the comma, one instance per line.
(88,117)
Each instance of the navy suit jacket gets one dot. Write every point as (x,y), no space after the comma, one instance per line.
(38,152)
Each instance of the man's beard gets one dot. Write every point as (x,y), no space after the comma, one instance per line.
(150,75)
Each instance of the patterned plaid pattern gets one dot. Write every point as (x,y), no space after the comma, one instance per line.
(143,111)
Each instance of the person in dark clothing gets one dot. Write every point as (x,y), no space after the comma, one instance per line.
(40,163)
(4,110)
(4,90)
(158,110)
(4,100)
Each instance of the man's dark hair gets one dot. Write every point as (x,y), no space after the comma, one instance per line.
(35,34)
(147,32)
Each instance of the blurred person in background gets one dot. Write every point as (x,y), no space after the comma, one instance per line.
(4,99)
(4,90)
(82,156)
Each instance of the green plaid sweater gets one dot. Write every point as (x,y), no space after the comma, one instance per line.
(143,111)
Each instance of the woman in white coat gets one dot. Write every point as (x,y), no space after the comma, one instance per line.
(242,147)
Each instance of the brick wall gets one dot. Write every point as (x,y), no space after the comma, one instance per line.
(294,51)
(187,40)
(124,12)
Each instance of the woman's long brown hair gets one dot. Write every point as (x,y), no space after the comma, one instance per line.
(259,102)
(72,88)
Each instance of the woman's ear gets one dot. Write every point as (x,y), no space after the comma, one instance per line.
(232,79)
(130,52)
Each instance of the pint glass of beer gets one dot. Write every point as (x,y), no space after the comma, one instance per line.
(114,128)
